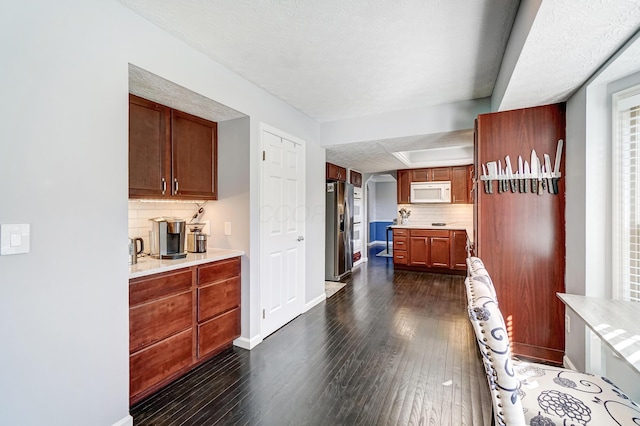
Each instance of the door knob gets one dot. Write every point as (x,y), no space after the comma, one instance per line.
(300,238)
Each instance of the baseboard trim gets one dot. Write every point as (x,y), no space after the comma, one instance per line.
(248,344)
(315,301)
(566,361)
(379,243)
(125,421)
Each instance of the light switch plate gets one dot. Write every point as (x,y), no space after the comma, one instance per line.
(227,228)
(14,238)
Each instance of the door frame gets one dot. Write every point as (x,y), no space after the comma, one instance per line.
(263,127)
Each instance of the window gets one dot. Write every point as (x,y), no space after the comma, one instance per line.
(626,195)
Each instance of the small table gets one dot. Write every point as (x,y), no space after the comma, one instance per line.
(389,228)
(615,322)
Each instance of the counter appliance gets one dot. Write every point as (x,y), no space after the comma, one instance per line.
(167,238)
(196,239)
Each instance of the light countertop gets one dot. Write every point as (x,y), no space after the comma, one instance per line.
(148,265)
(613,321)
(450,226)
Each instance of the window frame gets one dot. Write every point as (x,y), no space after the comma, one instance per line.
(621,101)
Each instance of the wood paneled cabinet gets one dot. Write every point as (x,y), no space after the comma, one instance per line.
(355,178)
(172,154)
(426,249)
(431,175)
(400,246)
(525,275)
(429,248)
(459,176)
(459,185)
(404,186)
(218,305)
(178,319)
(458,249)
(336,173)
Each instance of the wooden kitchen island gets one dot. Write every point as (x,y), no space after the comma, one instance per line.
(440,249)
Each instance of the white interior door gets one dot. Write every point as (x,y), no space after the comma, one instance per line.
(282,218)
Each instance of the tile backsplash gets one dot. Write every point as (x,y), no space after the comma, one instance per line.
(425,214)
(140,212)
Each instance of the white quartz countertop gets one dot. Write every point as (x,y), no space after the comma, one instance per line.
(613,321)
(149,266)
(450,226)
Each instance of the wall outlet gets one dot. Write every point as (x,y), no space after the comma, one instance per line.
(206,229)
(567,324)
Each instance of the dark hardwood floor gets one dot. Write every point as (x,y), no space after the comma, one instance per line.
(391,348)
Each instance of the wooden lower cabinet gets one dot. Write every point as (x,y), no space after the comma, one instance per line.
(217,332)
(436,250)
(459,249)
(178,319)
(154,365)
(440,253)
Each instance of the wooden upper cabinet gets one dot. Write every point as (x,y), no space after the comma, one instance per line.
(336,173)
(459,181)
(404,186)
(437,174)
(193,145)
(172,154)
(149,148)
(355,178)
(420,175)
(470,187)
(440,174)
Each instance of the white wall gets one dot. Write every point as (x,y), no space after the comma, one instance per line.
(420,121)
(588,198)
(386,201)
(63,153)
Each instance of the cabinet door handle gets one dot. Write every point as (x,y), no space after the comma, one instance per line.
(164,186)
(175,180)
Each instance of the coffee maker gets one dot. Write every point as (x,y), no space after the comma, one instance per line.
(167,238)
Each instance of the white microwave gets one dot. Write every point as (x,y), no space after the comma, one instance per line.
(430,192)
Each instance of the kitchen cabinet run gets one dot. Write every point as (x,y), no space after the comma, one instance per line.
(172,154)
(336,173)
(437,250)
(459,176)
(355,178)
(179,319)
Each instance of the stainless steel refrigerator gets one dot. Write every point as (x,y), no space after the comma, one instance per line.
(339,231)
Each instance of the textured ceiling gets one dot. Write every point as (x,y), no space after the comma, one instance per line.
(150,86)
(336,59)
(375,156)
(340,59)
(568,42)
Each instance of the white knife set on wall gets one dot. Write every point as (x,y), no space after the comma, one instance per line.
(537,175)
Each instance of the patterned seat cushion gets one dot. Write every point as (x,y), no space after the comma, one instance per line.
(539,395)
(475,266)
(479,288)
(558,396)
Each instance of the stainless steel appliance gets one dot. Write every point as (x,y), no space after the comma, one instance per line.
(196,239)
(167,238)
(338,232)
(133,250)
